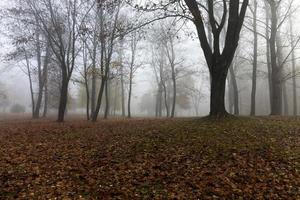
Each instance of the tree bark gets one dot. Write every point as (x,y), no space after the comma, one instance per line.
(130,91)
(30,82)
(235,91)
(269,66)
(253,91)
(276,107)
(46,97)
(295,106)
(122,78)
(218,62)
(174,92)
(63,99)
(93,92)
(107,102)
(218,84)
(281,68)
(36,113)
(158,110)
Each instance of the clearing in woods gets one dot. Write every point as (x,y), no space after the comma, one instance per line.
(254,158)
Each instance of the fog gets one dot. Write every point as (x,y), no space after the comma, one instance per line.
(152,67)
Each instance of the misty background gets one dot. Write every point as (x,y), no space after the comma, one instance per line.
(195,75)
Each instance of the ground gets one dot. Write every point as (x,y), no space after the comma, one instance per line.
(237,158)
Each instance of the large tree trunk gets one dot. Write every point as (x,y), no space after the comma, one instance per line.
(36,113)
(276,107)
(99,100)
(281,68)
(253,91)
(63,99)
(217,96)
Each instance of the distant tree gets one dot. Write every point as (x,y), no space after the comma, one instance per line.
(17,108)
(4,101)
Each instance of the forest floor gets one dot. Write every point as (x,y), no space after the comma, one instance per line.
(239,158)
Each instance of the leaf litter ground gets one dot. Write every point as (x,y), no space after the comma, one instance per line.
(242,158)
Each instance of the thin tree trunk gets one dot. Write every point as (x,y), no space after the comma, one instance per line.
(107,102)
(130,91)
(174,92)
(36,113)
(269,66)
(122,79)
(46,97)
(30,83)
(253,92)
(295,106)
(285,99)
(166,99)
(93,92)
(235,91)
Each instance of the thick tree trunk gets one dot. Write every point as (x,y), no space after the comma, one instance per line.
(217,97)
(281,65)
(276,107)
(36,113)
(99,100)
(63,99)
